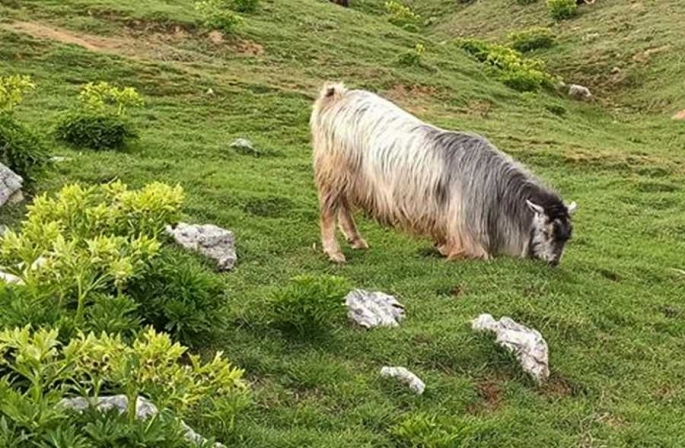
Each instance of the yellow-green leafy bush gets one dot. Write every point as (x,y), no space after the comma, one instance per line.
(37,371)
(402,16)
(99,120)
(83,244)
(20,148)
(509,65)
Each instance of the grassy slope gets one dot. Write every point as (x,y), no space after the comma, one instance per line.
(612,314)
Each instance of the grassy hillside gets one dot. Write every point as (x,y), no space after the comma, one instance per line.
(612,313)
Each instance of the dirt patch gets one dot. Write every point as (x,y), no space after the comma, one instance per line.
(138,41)
(248,47)
(403,91)
(680,115)
(91,43)
(490,394)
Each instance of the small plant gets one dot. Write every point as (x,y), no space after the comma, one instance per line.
(413,56)
(421,431)
(98,97)
(531,39)
(84,130)
(526,2)
(562,9)
(178,295)
(509,65)
(216,15)
(12,91)
(99,120)
(310,305)
(20,149)
(402,16)
(245,5)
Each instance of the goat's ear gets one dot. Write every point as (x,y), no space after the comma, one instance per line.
(572,207)
(535,208)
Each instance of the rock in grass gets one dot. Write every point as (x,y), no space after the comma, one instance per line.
(10,279)
(578,92)
(244,146)
(10,186)
(144,410)
(414,382)
(373,309)
(209,240)
(527,344)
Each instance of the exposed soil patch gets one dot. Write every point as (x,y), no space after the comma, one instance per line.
(92,43)
(140,40)
(490,394)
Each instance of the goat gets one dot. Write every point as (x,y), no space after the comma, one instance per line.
(456,188)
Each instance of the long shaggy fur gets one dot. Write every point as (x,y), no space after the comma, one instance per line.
(453,187)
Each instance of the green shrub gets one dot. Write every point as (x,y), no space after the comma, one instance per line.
(245,5)
(413,56)
(99,120)
(531,39)
(178,295)
(562,9)
(103,98)
(20,149)
(423,431)
(94,131)
(310,305)
(509,65)
(402,16)
(12,91)
(84,247)
(38,372)
(216,15)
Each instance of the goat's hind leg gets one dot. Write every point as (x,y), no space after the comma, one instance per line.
(349,228)
(330,205)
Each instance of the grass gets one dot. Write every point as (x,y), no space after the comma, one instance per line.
(612,313)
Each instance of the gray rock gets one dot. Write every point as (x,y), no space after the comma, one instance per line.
(243,143)
(60,159)
(373,309)
(209,240)
(10,279)
(527,344)
(578,92)
(10,186)
(144,410)
(407,377)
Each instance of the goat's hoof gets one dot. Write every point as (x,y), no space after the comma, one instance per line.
(337,257)
(360,244)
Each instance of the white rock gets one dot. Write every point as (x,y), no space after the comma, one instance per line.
(60,159)
(373,309)
(209,240)
(578,92)
(10,279)
(144,410)
(407,377)
(210,91)
(527,344)
(10,186)
(242,143)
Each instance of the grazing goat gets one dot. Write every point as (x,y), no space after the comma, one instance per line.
(471,199)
